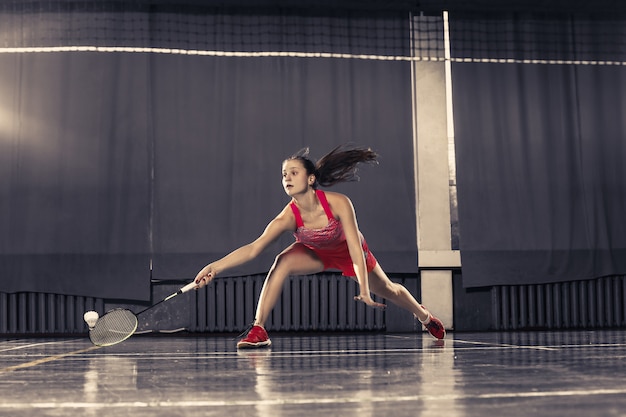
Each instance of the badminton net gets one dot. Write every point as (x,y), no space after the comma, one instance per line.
(376,30)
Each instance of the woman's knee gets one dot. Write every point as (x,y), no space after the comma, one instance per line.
(287,259)
(281,260)
(297,259)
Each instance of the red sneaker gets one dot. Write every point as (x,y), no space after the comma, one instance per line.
(435,327)
(257,337)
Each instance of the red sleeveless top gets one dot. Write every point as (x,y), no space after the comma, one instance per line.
(329,242)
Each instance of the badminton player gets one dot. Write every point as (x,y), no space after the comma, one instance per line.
(326,237)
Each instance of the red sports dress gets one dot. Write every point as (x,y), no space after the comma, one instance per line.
(329,242)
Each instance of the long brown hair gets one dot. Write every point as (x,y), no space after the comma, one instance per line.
(339,165)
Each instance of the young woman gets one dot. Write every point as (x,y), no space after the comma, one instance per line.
(327,237)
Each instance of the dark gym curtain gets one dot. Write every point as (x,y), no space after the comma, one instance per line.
(117,167)
(540,147)
(74,175)
(220,143)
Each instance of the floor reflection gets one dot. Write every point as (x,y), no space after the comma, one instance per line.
(363,377)
(109,374)
(440,378)
(544,374)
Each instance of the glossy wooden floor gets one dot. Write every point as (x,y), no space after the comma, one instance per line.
(470,374)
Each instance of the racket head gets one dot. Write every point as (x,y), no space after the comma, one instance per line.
(114,327)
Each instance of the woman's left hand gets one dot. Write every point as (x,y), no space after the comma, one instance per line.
(368,300)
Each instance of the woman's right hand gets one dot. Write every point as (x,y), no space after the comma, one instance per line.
(205,275)
(367,299)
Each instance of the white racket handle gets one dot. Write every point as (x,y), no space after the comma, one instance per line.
(188,287)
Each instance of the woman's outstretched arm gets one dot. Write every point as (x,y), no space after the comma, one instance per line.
(280,224)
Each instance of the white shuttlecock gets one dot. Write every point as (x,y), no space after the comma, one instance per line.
(91,317)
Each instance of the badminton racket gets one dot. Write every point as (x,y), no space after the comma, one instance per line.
(119,324)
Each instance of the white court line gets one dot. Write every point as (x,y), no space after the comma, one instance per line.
(507,346)
(45,359)
(309,401)
(491,345)
(488,345)
(336,352)
(235,355)
(30,345)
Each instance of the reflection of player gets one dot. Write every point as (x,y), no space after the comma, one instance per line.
(327,236)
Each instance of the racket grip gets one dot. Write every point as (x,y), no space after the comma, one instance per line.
(188,287)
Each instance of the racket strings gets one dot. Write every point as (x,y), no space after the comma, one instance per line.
(114,327)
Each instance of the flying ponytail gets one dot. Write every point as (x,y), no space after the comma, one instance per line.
(339,165)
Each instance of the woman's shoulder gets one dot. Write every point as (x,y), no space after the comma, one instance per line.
(286,212)
(337,200)
(334,194)
(283,222)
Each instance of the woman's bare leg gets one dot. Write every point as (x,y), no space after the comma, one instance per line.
(296,259)
(382,286)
